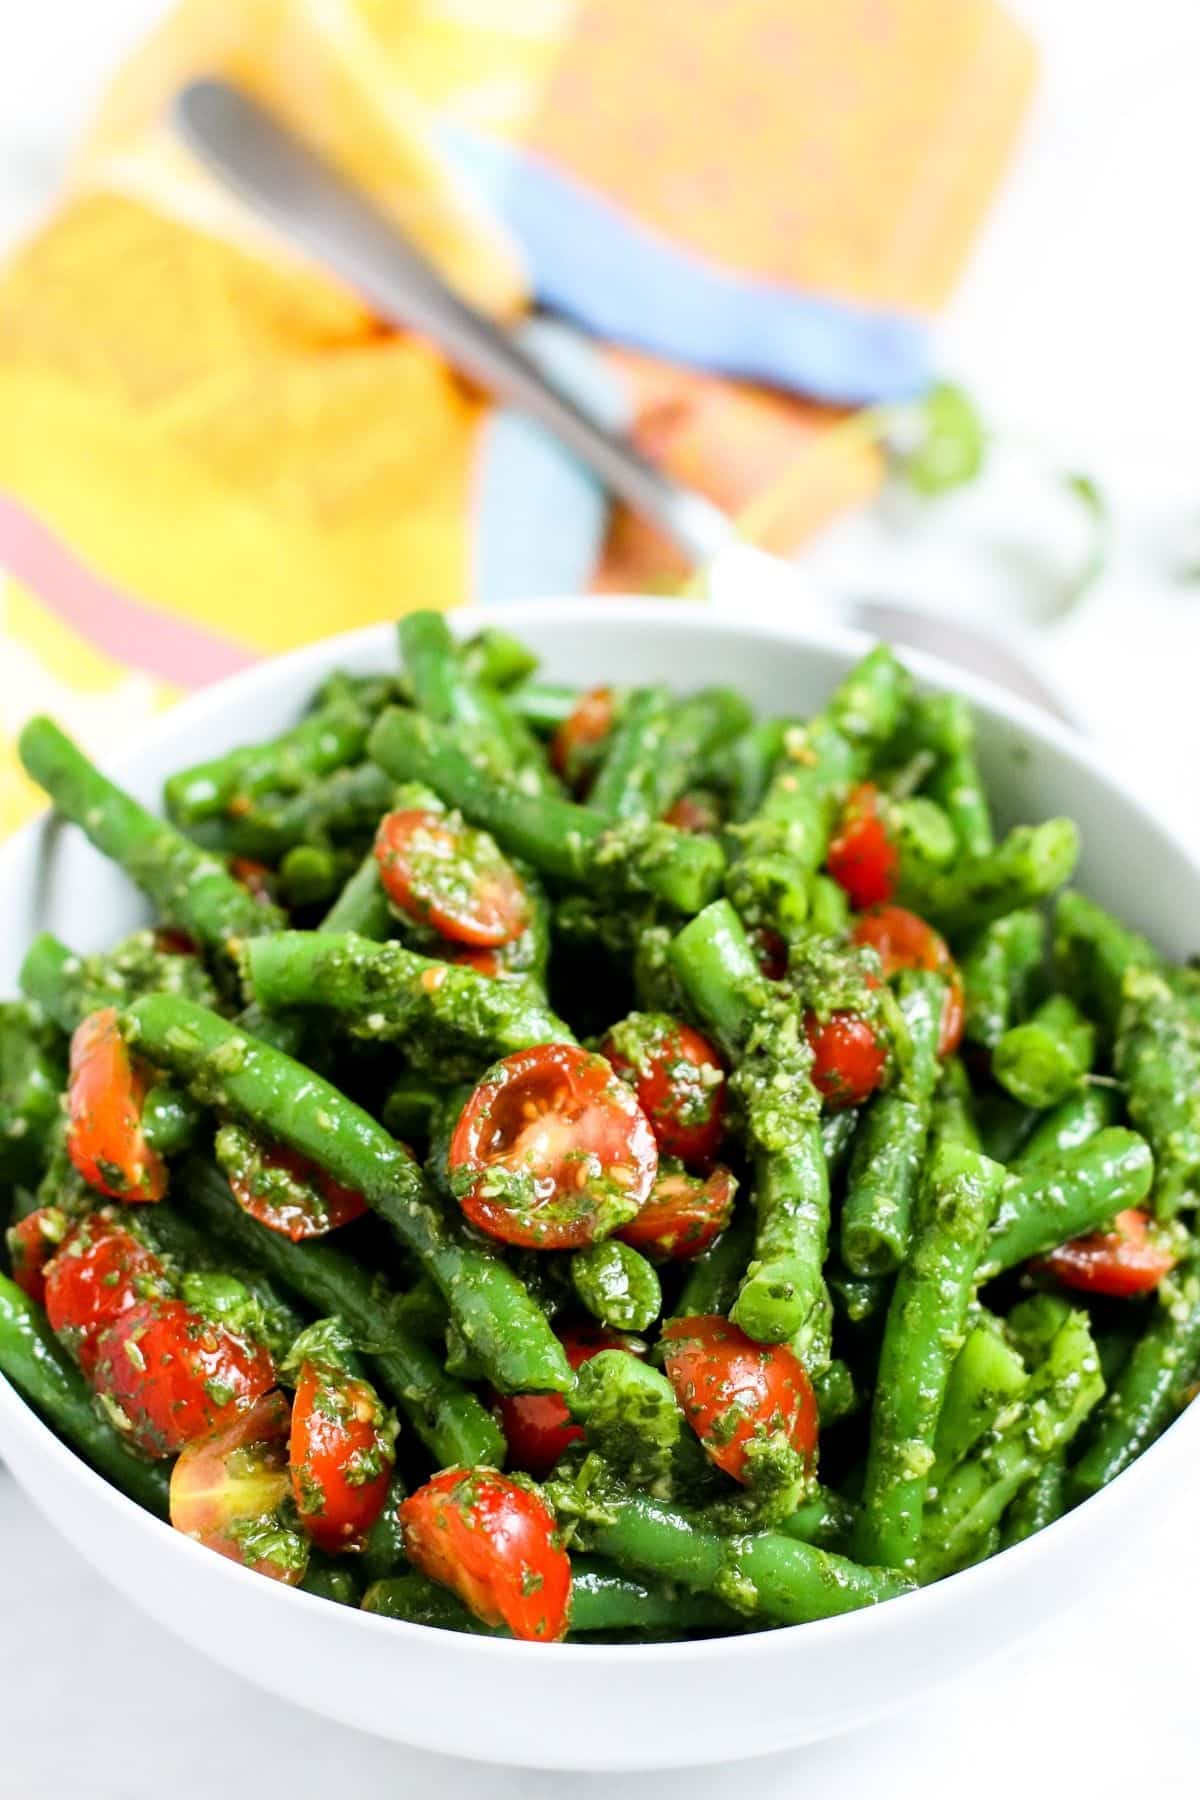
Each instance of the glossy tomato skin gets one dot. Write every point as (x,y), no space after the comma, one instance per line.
(679,1081)
(99,1272)
(552,1151)
(684,1215)
(575,746)
(438,871)
(32,1242)
(104,1107)
(862,858)
(537,1427)
(903,940)
(282,1189)
(848,1058)
(1122,1262)
(694,812)
(227,1486)
(341,1453)
(493,1541)
(736,1393)
(169,1376)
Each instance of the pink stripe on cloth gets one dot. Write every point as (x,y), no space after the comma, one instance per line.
(126,629)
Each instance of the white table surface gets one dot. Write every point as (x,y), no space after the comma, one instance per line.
(1076,329)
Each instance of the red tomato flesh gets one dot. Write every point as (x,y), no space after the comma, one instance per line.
(848,1058)
(576,744)
(679,1081)
(493,1542)
(538,1427)
(32,1241)
(100,1271)
(293,1196)
(1121,1262)
(341,1453)
(552,1151)
(904,941)
(232,1480)
(443,873)
(104,1108)
(736,1393)
(683,1216)
(862,858)
(169,1375)
(693,812)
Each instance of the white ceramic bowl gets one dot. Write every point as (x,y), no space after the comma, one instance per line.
(603,1707)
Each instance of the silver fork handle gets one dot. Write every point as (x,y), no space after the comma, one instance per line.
(283,179)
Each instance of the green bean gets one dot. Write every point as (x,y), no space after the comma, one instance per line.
(630,1416)
(744,768)
(1036,1505)
(760,1574)
(332,1578)
(925,1325)
(1149,1391)
(169,1120)
(1040,1062)
(957,785)
(312,875)
(411,1103)
(542,705)
(362,906)
(384,1553)
(1031,862)
(1157,1057)
(447,692)
(324,741)
(617,1285)
(190,888)
(449,1420)
(571,843)
(838,1131)
(1044,1204)
(858,1298)
(985,1378)
(417,1600)
(35,1363)
(998,969)
(1058,1398)
(624,787)
(498,659)
(31,1074)
(1092,952)
(337,808)
(1071,1123)
(383,992)
(289,1103)
(714,1277)
(890,1146)
(783,1295)
(1004,1124)
(952,1116)
(696,729)
(827,1520)
(837,1393)
(922,833)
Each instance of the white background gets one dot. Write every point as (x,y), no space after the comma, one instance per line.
(1076,329)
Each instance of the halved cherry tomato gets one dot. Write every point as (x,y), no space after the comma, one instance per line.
(284,1190)
(104,1108)
(492,1541)
(174,943)
(736,1393)
(341,1453)
(168,1375)
(693,812)
(443,873)
(100,1271)
(537,1427)
(552,1150)
(848,1058)
(32,1241)
(484,962)
(684,1214)
(1120,1262)
(771,951)
(226,1489)
(679,1081)
(862,857)
(904,941)
(576,744)
(255,877)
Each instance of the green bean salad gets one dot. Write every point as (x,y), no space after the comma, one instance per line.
(598,1165)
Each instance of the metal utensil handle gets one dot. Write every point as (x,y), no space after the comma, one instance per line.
(279,175)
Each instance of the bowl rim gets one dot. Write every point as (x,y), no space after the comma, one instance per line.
(966,1587)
